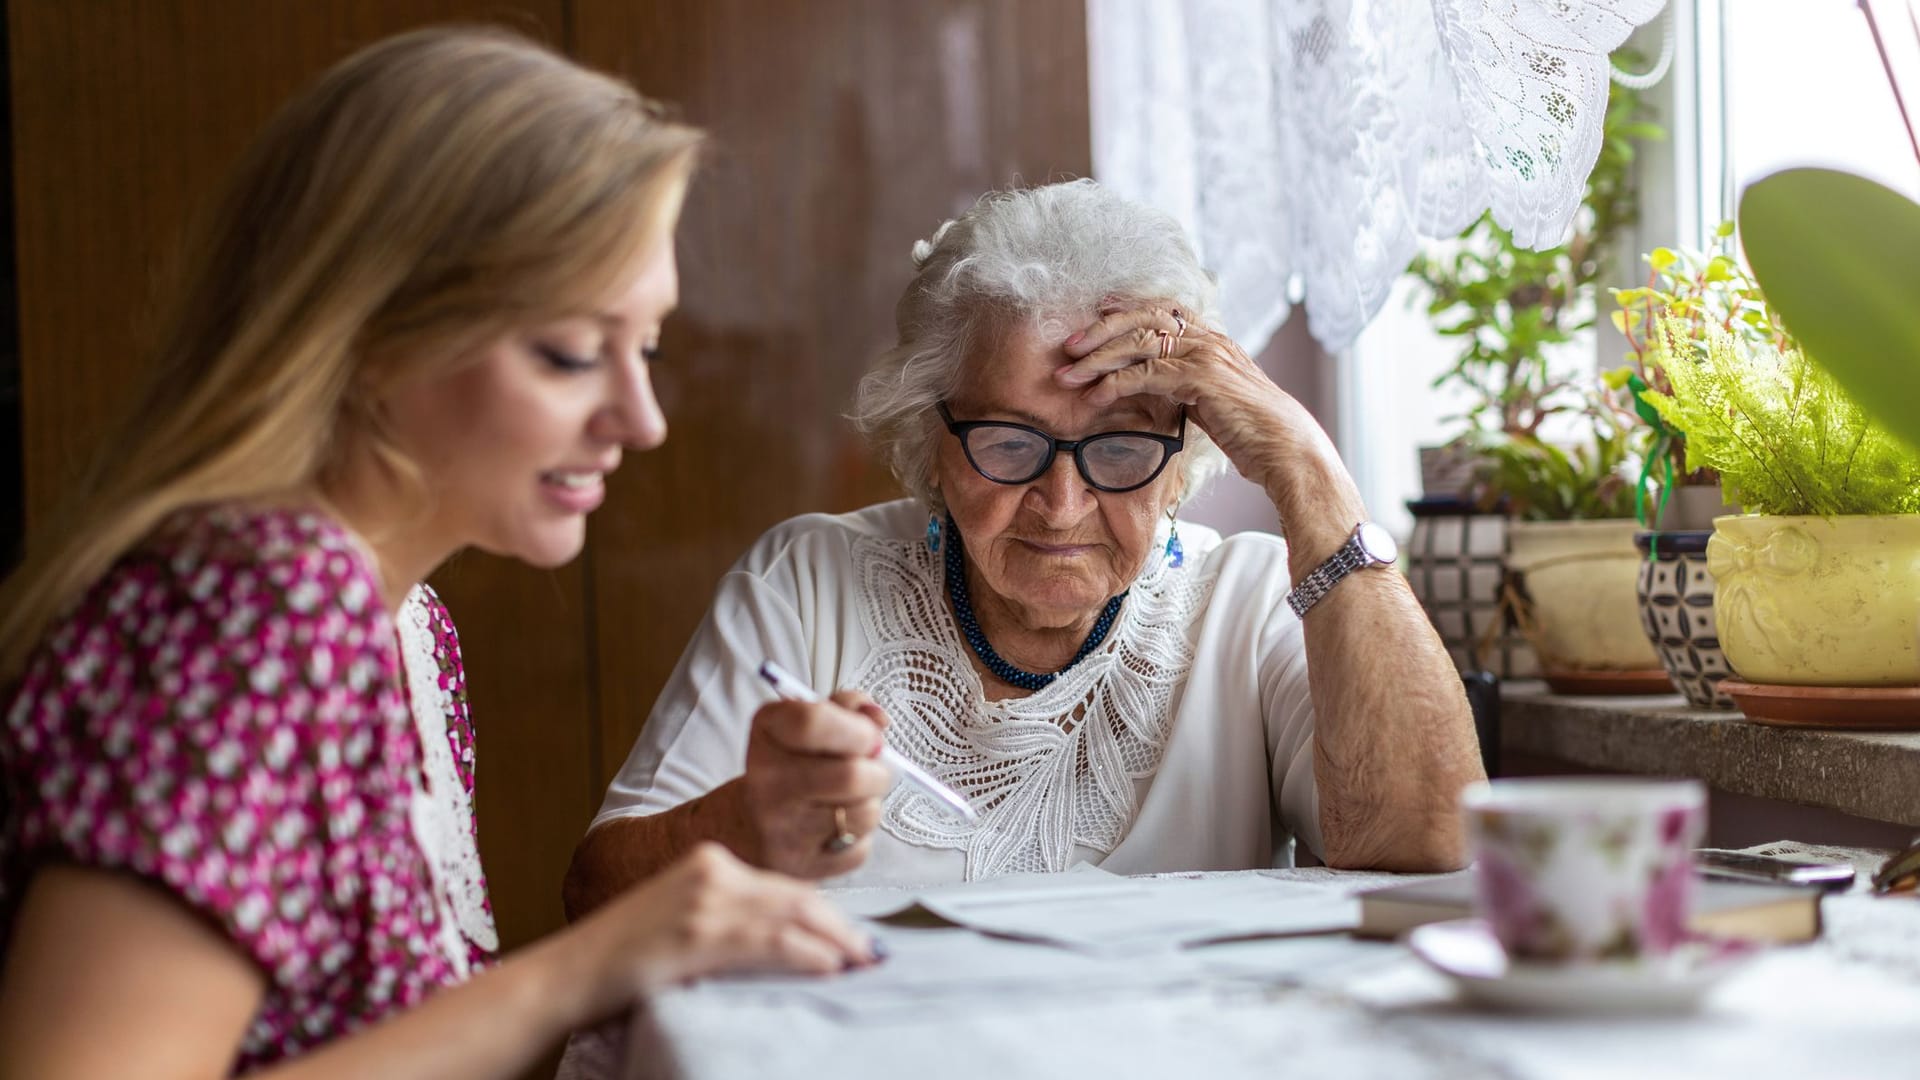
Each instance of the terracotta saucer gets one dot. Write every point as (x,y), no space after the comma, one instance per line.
(1648,681)
(1884,707)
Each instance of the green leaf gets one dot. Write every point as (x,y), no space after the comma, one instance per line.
(1662,258)
(1839,259)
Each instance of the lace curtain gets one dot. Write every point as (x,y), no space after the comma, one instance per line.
(1308,145)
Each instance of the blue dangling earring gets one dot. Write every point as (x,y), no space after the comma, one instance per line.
(933,533)
(1175,555)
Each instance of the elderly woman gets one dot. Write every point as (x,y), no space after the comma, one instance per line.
(1037,628)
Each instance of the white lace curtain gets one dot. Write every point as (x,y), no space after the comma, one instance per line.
(1308,145)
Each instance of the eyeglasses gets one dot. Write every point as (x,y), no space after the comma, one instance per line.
(1112,461)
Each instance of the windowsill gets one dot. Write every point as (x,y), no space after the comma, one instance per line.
(1868,774)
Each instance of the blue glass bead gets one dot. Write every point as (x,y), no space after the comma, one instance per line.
(933,533)
(1176,555)
(977,639)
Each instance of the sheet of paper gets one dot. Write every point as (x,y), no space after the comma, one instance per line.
(879,903)
(1100,912)
(1029,941)
(955,971)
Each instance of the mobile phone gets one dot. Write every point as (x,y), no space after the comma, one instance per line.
(1746,866)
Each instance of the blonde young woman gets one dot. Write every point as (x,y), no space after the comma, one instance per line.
(237,831)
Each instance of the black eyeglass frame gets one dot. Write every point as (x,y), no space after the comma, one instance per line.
(1172,444)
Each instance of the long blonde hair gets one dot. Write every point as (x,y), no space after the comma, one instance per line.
(428,193)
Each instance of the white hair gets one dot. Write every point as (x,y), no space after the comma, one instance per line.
(1044,257)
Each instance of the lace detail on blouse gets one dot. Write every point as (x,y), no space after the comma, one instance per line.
(441,810)
(1047,772)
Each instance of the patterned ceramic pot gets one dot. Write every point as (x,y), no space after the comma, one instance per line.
(1578,577)
(1676,611)
(1456,564)
(1694,507)
(1577,869)
(1811,601)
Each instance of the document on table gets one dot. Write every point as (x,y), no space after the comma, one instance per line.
(1026,941)
(1093,911)
(953,972)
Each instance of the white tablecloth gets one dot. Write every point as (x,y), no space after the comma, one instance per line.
(1328,1005)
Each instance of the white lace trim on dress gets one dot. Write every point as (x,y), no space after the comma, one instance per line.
(441,812)
(1047,772)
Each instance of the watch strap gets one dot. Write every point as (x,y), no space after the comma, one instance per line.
(1319,581)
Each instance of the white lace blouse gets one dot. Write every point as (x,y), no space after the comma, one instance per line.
(1185,742)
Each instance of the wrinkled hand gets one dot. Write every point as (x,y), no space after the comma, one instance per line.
(1255,423)
(804,762)
(711,913)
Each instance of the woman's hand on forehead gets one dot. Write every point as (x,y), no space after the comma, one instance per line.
(1159,350)
(1152,349)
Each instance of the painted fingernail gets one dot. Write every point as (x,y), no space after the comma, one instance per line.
(1077,338)
(878,950)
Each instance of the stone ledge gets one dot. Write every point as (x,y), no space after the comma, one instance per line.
(1868,774)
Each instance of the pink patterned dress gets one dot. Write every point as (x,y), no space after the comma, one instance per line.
(232,715)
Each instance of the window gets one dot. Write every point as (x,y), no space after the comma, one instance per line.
(1755,86)
(1802,83)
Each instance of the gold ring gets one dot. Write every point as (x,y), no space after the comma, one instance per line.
(1181,322)
(1166,343)
(842,837)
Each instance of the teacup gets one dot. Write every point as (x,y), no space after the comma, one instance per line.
(1578,869)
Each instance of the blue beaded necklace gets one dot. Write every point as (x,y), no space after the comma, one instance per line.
(977,638)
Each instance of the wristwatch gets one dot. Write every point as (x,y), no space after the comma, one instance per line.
(1370,545)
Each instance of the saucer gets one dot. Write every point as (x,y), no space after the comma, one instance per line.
(1466,951)
(1577,683)
(1887,708)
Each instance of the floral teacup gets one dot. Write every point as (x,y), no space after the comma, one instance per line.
(1584,869)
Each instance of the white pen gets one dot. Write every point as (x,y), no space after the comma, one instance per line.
(794,690)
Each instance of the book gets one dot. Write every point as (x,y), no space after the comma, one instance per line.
(1775,914)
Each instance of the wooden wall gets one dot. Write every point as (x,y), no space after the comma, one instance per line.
(844,130)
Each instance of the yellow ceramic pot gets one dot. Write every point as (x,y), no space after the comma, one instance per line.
(1812,601)
(1582,576)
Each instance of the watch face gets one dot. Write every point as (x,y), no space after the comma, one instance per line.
(1377,542)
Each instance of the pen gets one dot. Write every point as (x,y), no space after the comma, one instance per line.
(794,690)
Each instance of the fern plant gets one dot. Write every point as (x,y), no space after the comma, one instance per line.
(1784,435)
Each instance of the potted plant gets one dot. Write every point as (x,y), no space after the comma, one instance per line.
(1818,583)
(1687,295)
(1510,306)
(1696,292)
(1839,257)
(1571,566)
